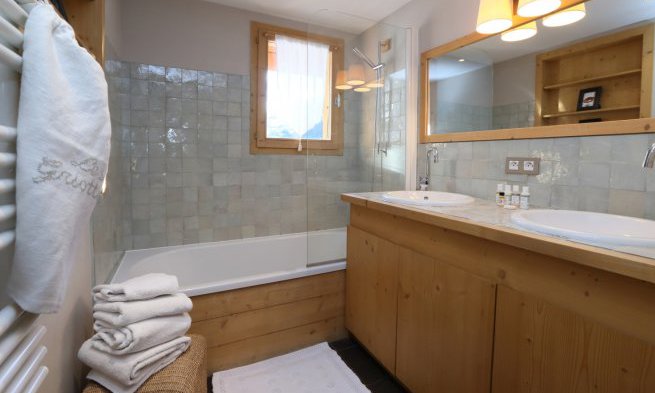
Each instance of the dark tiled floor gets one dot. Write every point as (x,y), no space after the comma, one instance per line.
(376,378)
(369,371)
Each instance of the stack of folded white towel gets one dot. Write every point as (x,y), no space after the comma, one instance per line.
(140,326)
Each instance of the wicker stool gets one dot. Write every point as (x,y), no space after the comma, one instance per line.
(187,374)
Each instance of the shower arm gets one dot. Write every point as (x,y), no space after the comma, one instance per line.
(368,60)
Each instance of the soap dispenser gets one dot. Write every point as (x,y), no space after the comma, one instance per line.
(525,198)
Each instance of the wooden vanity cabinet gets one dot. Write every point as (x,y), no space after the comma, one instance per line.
(445,327)
(371,294)
(448,306)
(428,323)
(544,348)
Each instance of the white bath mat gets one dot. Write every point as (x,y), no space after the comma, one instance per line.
(316,369)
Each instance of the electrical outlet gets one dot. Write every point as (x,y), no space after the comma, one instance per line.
(522,166)
(528,166)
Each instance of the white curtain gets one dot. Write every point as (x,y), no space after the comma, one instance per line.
(296,88)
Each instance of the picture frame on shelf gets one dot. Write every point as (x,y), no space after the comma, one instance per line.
(589,99)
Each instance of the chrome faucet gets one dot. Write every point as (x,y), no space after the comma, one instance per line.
(424,181)
(649,160)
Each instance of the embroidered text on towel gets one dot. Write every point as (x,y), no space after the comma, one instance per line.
(88,176)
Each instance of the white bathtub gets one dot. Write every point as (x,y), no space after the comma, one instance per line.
(221,266)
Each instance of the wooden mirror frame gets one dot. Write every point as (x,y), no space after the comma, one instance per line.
(617,127)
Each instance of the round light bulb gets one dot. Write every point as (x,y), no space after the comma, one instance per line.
(566,17)
(520,33)
(362,89)
(494,16)
(534,8)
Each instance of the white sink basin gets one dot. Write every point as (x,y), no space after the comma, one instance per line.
(596,228)
(427,198)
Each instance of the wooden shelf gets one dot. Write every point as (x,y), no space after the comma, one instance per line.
(594,79)
(582,113)
(619,62)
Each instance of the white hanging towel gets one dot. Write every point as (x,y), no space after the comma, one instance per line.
(63,148)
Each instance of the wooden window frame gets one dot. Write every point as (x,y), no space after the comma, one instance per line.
(259,143)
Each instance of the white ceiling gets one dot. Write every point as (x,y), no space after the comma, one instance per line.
(449,67)
(350,16)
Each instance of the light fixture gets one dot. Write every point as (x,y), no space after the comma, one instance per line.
(341,81)
(362,89)
(356,75)
(461,60)
(494,16)
(566,17)
(375,84)
(534,8)
(520,33)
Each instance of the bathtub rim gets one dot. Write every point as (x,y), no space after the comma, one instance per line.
(134,256)
(262,279)
(131,256)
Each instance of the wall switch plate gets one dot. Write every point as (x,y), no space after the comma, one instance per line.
(522,166)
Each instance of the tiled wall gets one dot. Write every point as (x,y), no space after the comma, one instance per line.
(190,177)
(454,117)
(601,174)
(107,221)
(386,109)
(513,116)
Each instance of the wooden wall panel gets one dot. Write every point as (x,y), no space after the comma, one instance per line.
(269,295)
(251,324)
(445,327)
(544,348)
(241,326)
(88,20)
(249,351)
(371,294)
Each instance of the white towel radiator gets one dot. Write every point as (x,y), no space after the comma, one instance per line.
(21,352)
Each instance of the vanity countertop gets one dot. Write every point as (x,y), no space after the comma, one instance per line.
(486,220)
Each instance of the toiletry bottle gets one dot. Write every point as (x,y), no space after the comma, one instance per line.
(516,196)
(500,195)
(525,198)
(508,195)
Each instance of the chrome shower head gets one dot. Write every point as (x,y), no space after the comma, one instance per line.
(367,60)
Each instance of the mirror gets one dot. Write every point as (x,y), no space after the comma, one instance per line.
(579,76)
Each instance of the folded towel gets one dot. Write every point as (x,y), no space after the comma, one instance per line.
(140,335)
(125,373)
(117,314)
(62,148)
(139,288)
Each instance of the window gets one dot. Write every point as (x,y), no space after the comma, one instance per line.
(295,104)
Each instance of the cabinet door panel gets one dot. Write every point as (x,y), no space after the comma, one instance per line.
(445,327)
(371,294)
(541,348)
